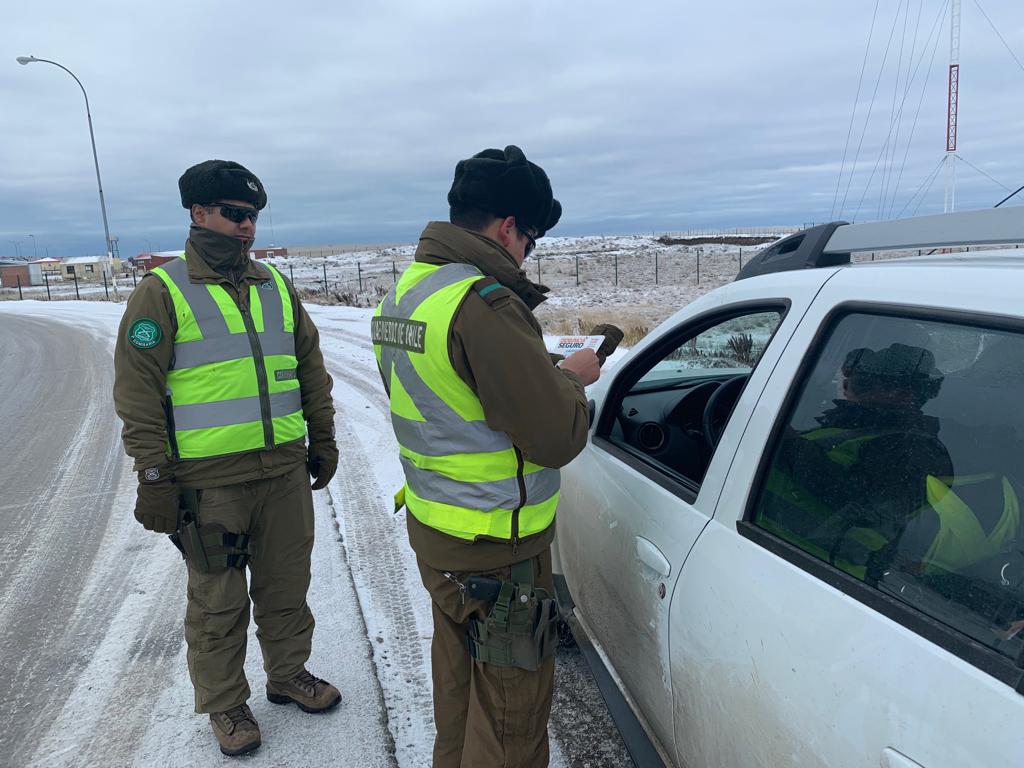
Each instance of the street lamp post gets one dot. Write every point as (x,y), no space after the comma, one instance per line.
(17,250)
(95,159)
(35,253)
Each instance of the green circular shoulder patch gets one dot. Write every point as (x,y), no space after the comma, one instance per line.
(145,333)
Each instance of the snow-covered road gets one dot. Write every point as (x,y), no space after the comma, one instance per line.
(92,661)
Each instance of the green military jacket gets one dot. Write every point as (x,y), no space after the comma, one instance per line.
(140,383)
(496,346)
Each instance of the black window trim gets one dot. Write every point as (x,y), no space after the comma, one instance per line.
(966,648)
(684,489)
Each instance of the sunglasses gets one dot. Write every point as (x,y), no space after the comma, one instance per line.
(236,213)
(532,241)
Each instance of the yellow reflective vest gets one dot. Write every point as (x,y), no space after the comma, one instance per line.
(232,386)
(462,477)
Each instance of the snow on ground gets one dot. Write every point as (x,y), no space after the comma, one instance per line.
(373,615)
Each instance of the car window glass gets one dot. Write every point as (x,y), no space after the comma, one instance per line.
(736,344)
(901,464)
(674,414)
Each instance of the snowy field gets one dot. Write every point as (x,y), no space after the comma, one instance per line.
(106,683)
(633,280)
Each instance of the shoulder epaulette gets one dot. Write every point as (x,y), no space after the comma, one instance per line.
(491,291)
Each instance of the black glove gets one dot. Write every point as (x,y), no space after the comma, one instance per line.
(157,502)
(612,336)
(322,455)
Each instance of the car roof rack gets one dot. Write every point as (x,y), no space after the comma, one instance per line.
(831,244)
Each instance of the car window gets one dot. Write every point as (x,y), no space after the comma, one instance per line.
(735,344)
(901,463)
(675,412)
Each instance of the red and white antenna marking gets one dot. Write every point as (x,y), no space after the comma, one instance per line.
(951,112)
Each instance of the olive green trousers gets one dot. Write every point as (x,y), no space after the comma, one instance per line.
(278,515)
(484,715)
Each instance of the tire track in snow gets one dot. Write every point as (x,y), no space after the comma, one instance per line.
(380,574)
(380,561)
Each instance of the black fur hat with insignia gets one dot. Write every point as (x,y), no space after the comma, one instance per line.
(215,180)
(505,183)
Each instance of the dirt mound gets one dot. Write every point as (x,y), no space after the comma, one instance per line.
(718,240)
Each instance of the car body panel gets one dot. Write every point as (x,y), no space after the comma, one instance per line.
(750,659)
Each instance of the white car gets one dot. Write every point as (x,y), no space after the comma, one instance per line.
(795,536)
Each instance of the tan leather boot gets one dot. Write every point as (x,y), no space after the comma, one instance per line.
(311,693)
(236,730)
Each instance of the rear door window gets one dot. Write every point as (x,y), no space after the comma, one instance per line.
(901,463)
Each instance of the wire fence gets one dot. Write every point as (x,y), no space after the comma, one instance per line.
(363,278)
(57,287)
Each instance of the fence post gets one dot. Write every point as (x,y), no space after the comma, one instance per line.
(538,269)
(577,270)
(698,266)
(359,275)
(46,279)
(741,259)
(291,272)
(655,267)
(325,277)
(616,268)
(20,297)
(394,273)
(74,274)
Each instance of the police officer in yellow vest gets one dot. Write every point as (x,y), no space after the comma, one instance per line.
(218,379)
(484,419)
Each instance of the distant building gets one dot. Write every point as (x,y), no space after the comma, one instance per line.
(87,267)
(146,261)
(48,265)
(44,270)
(11,272)
(268,253)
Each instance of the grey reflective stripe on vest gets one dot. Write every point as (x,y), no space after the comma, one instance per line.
(189,354)
(218,344)
(496,494)
(224,413)
(444,432)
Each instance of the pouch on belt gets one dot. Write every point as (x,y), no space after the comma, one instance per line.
(521,629)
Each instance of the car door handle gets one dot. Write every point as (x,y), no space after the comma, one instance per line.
(651,556)
(893,759)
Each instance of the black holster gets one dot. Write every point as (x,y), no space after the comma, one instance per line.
(210,548)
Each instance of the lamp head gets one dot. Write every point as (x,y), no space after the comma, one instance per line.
(26,59)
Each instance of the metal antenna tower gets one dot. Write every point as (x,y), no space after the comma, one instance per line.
(951,113)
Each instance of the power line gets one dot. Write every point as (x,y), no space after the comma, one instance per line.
(853,115)
(889,136)
(1008,197)
(1005,44)
(935,175)
(894,115)
(930,176)
(871,105)
(960,157)
(920,101)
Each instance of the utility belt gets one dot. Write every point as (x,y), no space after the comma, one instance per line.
(521,629)
(209,548)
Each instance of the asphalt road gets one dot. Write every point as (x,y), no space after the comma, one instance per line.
(59,482)
(92,665)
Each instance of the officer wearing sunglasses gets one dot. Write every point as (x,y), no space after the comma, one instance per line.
(218,380)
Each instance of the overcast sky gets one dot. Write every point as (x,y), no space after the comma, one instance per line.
(648,115)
